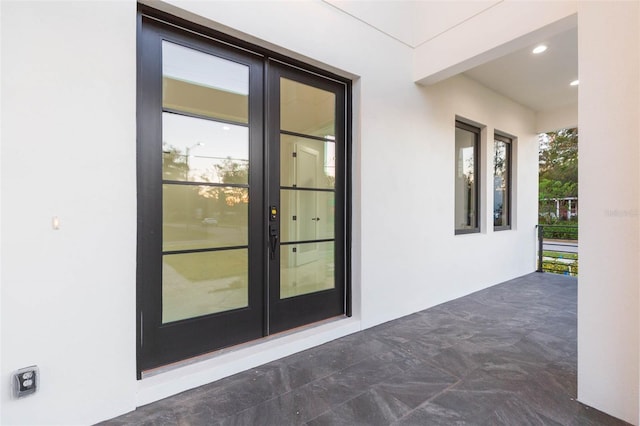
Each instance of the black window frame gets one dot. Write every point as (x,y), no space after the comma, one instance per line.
(476,181)
(508,141)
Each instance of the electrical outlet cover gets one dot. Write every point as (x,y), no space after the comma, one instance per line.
(25,381)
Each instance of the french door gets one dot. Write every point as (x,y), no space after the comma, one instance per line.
(306,131)
(242,195)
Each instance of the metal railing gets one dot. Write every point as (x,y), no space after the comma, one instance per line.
(558,249)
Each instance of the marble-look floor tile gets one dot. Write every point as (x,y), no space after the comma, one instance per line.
(332,357)
(474,406)
(370,408)
(505,355)
(516,412)
(391,399)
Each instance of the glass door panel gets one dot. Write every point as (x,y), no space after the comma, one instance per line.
(306,109)
(204,217)
(204,150)
(307,182)
(319,154)
(197,284)
(297,224)
(205,191)
(298,278)
(204,84)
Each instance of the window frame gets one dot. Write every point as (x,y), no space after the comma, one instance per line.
(477,131)
(508,141)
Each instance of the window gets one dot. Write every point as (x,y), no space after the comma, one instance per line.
(466,181)
(501,183)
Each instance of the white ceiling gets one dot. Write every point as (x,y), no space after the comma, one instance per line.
(413,22)
(540,82)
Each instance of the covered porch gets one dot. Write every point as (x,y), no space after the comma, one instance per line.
(503,355)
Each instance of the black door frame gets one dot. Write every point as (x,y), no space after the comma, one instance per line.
(160,344)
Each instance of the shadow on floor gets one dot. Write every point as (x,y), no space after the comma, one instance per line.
(504,355)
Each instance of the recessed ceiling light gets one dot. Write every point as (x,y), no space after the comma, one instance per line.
(539,49)
(574,83)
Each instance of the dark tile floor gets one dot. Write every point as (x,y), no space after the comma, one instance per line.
(504,355)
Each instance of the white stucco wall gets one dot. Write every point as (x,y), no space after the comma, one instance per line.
(609,160)
(434,265)
(68,150)
(561,118)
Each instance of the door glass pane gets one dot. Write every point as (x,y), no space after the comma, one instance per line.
(196,284)
(195,217)
(306,215)
(306,268)
(203,84)
(200,150)
(307,163)
(307,110)
(203,150)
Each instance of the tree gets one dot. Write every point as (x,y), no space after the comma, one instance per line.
(558,158)
(558,168)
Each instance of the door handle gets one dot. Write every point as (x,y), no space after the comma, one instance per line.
(315,218)
(273,242)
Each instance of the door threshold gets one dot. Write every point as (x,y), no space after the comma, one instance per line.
(239,347)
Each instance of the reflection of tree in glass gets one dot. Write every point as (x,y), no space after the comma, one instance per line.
(232,171)
(468,170)
(468,177)
(174,163)
(231,200)
(499,159)
(499,181)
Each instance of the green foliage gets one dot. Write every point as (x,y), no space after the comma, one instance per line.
(558,159)
(557,267)
(558,170)
(560,255)
(560,263)
(561,232)
(549,189)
